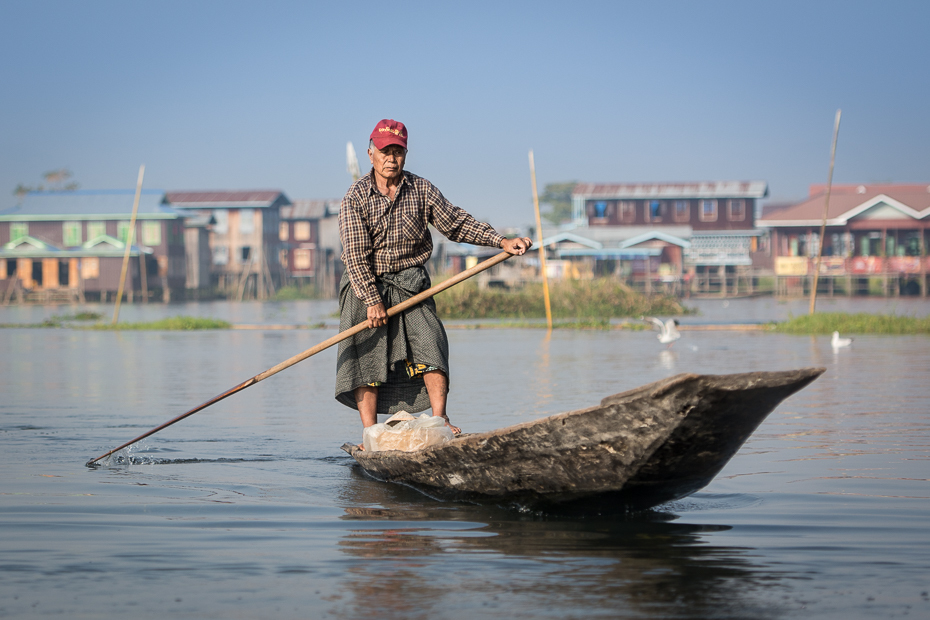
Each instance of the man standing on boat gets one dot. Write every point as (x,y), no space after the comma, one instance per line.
(401,363)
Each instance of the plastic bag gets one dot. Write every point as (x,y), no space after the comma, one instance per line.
(407,433)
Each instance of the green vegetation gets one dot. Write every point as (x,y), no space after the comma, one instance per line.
(175,323)
(862,323)
(601,324)
(58,320)
(79,316)
(600,299)
(559,198)
(292,292)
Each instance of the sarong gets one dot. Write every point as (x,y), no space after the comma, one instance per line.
(380,355)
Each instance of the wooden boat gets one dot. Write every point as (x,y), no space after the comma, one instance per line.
(636,449)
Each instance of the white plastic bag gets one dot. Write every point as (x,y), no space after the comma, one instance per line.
(407,433)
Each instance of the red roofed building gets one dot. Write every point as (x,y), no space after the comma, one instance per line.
(243,239)
(871,230)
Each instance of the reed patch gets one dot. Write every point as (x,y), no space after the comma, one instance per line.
(859,323)
(599,299)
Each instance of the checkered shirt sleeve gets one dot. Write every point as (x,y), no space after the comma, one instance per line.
(380,236)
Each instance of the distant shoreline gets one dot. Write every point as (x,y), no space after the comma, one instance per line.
(820,323)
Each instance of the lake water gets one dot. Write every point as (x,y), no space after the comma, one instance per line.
(249,509)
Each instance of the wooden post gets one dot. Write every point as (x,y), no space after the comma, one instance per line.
(647,285)
(129,236)
(883,254)
(260,276)
(826,206)
(923,264)
(80,272)
(542,249)
(143,276)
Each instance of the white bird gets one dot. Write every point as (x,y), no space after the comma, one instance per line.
(668,331)
(838,342)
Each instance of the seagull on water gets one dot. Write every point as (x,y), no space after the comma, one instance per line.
(838,342)
(668,331)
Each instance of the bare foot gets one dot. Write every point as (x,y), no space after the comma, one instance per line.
(455,429)
(361,446)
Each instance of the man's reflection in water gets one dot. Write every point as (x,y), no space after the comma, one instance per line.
(414,557)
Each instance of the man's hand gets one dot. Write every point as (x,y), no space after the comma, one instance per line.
(377,316)
(517,246)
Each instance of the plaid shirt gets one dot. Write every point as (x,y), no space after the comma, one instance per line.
(383,236)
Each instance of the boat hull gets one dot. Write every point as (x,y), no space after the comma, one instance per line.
(636,449)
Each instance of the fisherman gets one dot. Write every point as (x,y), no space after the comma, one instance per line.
(401,363)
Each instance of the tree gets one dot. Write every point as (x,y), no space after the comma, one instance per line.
(559,198)
(56,181)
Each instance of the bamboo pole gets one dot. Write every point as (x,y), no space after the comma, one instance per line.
(542,249)
(393,310)
(129,235)
(826,206)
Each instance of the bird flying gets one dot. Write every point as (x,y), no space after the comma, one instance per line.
(668,331)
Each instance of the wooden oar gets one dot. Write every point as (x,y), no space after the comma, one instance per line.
(320,347)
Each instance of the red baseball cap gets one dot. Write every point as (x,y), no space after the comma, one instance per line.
(388,131)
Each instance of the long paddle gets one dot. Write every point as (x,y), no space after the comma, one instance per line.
(320,347)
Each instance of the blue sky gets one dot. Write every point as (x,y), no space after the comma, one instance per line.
(236,95)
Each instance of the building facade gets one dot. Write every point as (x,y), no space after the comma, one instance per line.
(65,245)
(872,232)
(309,251)
(665,232)
(243,238)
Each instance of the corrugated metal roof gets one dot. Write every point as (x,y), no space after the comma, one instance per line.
(310,209)
(613,253)
(225,199)
(700,189)
(615,235)
(87,204)
(30,247)
(656,235)
(871,189)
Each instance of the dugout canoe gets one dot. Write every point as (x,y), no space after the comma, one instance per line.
(637,449)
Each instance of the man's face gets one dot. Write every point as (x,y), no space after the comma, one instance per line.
(389,162)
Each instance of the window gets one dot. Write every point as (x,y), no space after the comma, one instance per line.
(122,231)
(303,259)
(656,210)
(737,210)
(221,227)
(708,210)
(71,234)
(283,231)
(246,252)
(682,211)
(220,255)
(18,230)
(302,231)
(90,268)
(627,211)
(151,233)
(600,209)
(247,221)
(96,229)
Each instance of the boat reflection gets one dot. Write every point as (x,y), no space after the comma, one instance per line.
(414,557)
